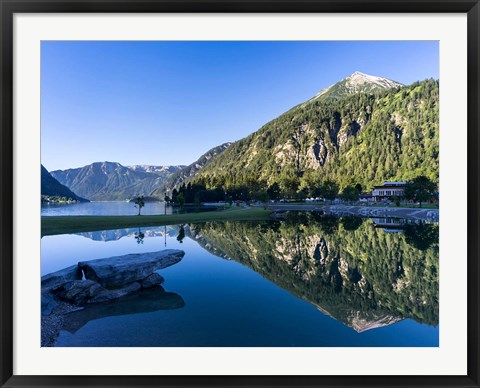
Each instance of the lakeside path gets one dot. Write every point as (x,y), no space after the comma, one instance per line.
(363,211)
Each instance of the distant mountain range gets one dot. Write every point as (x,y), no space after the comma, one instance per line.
(53,191)
(363,129)
(110,181)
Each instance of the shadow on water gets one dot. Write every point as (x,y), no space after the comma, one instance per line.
(146,301)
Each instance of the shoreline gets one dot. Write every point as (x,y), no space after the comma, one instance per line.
(55,225)
(411,213)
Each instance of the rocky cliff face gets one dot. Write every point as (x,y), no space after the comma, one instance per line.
(103,181)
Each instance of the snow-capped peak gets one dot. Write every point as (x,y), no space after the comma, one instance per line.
(356,83)
(359,78)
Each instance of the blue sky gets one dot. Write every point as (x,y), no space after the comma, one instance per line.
(165,103)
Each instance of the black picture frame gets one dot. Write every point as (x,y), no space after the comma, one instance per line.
(10,7)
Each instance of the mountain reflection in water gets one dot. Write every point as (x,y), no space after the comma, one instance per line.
(117,234)
(347,267)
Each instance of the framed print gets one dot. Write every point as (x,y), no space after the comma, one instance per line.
(239,194)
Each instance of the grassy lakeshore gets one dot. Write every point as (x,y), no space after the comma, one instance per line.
(75,224)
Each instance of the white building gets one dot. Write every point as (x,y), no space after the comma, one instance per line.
(388,190)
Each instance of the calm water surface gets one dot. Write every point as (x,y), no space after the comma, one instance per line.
(112,208)
(302,281)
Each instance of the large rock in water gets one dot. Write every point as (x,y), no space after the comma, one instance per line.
(116,272)
(87,291)
(56,279)
(153,280)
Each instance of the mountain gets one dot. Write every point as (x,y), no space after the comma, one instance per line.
(189,172)
(364,138)
(103,181)
(53,191)
(356,83)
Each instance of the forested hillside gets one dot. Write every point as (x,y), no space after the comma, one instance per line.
(359,139)
(53,191)
(188,172)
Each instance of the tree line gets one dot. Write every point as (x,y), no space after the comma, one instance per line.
(420,189)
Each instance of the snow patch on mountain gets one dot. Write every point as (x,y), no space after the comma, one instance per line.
(356,83)
(155,169)
(359,79)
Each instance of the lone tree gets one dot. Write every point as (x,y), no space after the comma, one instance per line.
(420,189)
(329,190)
(139,202)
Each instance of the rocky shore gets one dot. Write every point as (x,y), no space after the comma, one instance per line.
(107,281)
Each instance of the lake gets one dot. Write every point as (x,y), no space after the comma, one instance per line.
(305,280)
(114,208)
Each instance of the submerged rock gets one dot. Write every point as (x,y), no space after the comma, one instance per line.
(153,280)
(114,272)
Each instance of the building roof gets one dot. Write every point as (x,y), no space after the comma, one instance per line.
(394,183)
(390,185)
